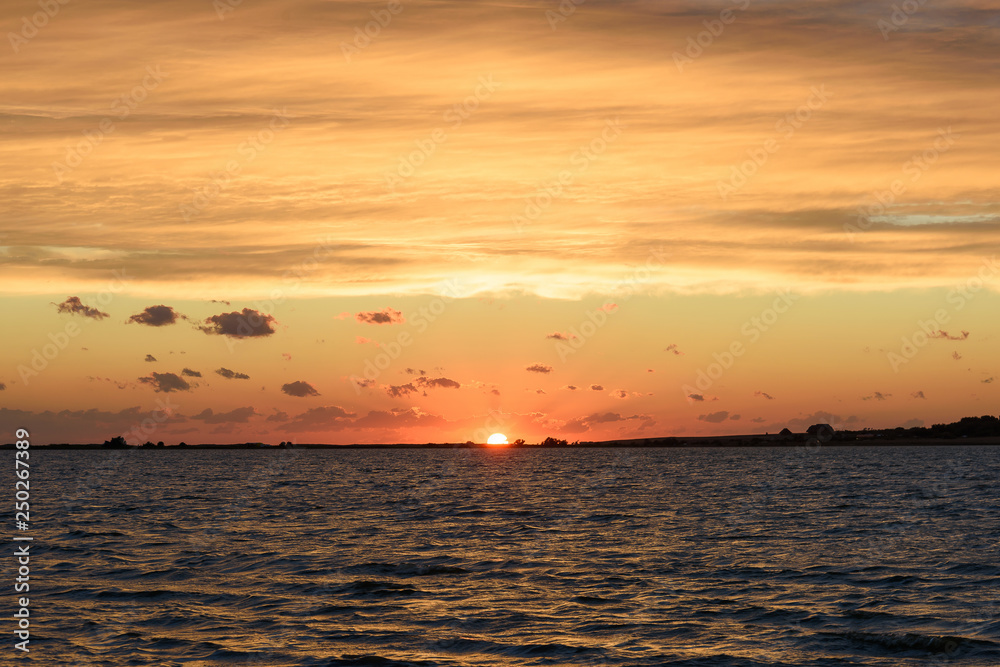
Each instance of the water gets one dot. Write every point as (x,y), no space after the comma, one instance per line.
(841,556)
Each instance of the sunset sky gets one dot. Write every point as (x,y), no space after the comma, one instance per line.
(251,221)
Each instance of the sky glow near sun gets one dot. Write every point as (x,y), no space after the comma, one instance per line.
(496,218)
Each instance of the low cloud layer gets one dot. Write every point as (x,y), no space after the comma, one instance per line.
(299,389)
(166,382)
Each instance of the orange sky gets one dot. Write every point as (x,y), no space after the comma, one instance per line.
(519,168)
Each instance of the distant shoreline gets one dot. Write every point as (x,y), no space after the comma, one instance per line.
(740,441)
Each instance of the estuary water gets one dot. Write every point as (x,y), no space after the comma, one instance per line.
(751,557)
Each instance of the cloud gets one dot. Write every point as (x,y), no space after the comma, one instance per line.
(620,393)
(714,417)
(988,380)
(361,340)
(495,392)
(956,356)
(945,336)
(799,424)
(246,324)
(764,394)
(90,425)
(876,396)
(74,306)
(596,387)
(581,424)
(734,417)
(150,357)
(696,397)
(384,316)
(413,371)
(2,386)
(918,394)
(286,356)
(222,301)
(570,387)
(325,418)
(757,420)
(539,368)
(278,416)
(156,316)
(299,389)
(237,416)
(231,375)
(166,382)
(558,335)
(190,373)
(401,390)
(673,348)
(913,423)
(437,382)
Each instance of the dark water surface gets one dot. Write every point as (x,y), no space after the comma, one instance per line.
(836,556)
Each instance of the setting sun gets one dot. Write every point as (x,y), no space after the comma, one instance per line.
(497,439)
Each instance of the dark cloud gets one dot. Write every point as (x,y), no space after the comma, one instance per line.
(150,357)
(412,417)
(413,371)
(190,373)
(231,375)
(2,386)
(384,316)
(237,416)
(734,417)
(673,348)
(222,301)
(944,335)
(570,387)
(74,306)
(696,397)
(278,416)
(539,368)
(621,393)
(714,417)
(558,335)
(764,394)
(876,396)
(757,420)
(918,394)
(326,418)
(582,424)
(437,382)
(299,389)
(495,392)
(988,380)
(596,387)
(166,382)
(247,324)
(401,390)
(956,356)
(91,425)
(157,316)
(539,391)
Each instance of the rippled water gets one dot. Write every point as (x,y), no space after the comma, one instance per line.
(839,556)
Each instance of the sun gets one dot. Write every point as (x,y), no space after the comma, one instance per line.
(497,439)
